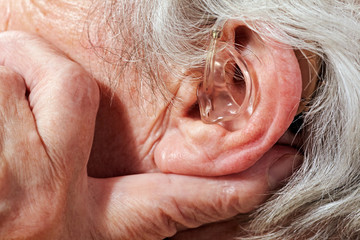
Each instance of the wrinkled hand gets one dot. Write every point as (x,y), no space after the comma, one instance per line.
(48,107)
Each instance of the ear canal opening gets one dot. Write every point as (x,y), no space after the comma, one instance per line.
(242,37)
(194,111)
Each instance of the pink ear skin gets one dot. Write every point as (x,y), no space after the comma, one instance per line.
(192,147)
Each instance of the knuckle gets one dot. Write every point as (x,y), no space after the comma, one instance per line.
(169,216)
(12,39)
(234,199)
(227,201)
(13,42)
(251,198)
(83,88)
(14,35)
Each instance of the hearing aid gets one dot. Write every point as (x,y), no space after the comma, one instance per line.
(218,96)
(218,99)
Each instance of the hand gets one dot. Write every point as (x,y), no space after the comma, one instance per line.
(45,139)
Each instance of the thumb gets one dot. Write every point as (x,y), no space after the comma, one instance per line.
(155,205)
(63,98)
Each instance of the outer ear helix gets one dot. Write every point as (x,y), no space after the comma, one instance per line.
(248,119)
(220,100)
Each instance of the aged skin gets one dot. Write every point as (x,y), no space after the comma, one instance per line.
(128,129)
(120,133)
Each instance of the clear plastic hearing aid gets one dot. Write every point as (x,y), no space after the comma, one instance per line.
(222,96)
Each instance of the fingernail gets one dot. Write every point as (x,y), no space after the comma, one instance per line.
(282,169)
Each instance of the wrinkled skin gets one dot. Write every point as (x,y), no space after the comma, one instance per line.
(50,105)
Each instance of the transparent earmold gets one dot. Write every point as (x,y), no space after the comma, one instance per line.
(226,95)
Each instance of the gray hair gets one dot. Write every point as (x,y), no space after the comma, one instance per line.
(322,199)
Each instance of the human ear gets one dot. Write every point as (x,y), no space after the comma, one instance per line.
(190,146)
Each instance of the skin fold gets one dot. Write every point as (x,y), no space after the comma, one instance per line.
(120,133)
(79,154)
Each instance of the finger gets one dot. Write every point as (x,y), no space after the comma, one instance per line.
(24,193)
(18,134)
(63,98)
(160,205)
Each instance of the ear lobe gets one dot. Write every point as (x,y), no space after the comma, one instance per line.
(190,146)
